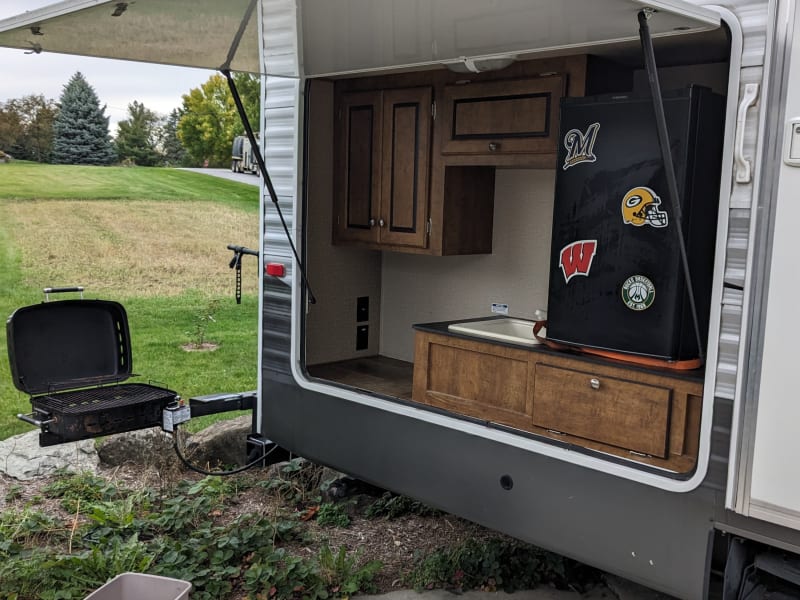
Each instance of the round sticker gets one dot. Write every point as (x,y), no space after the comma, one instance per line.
(638,292)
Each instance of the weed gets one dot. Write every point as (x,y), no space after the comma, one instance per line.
(76,489)
(497,564)
(278,574)
(298,483)
(14,493)
(341,574)
(333,515)
(392,506)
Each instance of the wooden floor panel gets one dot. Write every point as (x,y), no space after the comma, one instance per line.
(377,374)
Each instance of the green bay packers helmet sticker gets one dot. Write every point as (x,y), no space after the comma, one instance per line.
(580,146)
(640,206)
(638,292)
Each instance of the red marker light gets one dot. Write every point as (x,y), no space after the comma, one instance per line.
(276,270)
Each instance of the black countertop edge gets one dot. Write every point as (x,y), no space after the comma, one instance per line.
(441,329)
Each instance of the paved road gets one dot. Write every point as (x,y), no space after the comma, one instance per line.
(228,174)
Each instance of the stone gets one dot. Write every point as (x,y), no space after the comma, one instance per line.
(22,458)
(223,443)
(144,447)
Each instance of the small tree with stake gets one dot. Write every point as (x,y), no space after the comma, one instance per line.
(81,127)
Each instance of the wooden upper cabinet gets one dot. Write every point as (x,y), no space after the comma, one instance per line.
(382,167)
(405,164)
(358,166)
(502,117)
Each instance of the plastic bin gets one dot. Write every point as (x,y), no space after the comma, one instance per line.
(138,586)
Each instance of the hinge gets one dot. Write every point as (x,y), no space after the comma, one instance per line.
(429,226)
(433,110)
(555,432)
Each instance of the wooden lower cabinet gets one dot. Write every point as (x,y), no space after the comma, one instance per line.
(644,416)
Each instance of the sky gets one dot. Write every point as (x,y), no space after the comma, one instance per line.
(117,83)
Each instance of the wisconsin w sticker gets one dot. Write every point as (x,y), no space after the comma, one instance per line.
(580,146)
(576,258)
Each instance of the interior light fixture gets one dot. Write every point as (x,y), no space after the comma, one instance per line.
(481,64)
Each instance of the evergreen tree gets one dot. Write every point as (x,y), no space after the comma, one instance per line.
(173,151)
(137,136)
(81,127)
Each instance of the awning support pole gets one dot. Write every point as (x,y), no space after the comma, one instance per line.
(669,166)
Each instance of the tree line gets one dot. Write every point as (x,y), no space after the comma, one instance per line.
(75,129)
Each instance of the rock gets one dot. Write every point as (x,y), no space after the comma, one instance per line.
(224,443)
(145,447)
(22,458)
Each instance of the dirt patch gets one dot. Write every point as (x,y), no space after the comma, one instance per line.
(204,347)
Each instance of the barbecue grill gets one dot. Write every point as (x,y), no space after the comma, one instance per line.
(72,357)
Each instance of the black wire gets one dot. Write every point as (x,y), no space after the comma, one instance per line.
(267,180)
(202,471)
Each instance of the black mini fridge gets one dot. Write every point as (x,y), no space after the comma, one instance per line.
(616,278)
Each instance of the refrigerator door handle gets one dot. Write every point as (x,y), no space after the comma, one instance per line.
(743,166)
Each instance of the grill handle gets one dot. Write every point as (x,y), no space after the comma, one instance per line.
(33,420)
(62,290)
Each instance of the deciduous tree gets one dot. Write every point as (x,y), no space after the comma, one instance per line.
(210,121)
(26,127)
(81,127)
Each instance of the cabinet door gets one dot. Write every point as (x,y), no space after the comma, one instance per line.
(406,159)
(502,117)
(358,166)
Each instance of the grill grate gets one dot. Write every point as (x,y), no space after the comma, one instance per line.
(94,400)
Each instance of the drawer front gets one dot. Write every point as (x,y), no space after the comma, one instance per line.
(501,117)
(603,409)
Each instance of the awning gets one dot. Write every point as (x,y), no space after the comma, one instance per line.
(340,36)
(188,33)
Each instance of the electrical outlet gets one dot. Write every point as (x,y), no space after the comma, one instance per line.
(362,337)
(362,309)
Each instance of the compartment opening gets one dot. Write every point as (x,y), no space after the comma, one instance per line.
(462,272)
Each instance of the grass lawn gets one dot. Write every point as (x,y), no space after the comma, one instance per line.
(154,240)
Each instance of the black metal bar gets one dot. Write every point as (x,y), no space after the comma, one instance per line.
(217,403)
(669,166)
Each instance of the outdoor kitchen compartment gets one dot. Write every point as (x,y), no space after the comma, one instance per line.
(72,356)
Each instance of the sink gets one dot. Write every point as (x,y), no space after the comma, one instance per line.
(515,331)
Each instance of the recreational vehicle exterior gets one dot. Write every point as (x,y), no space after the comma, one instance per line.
(418,157)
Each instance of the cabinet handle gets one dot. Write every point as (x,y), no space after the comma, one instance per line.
(381,223)
(372,222)
(594,383)
(494,146)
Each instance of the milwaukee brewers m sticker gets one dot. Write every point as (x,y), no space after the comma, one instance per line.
(580,146)
(576,258)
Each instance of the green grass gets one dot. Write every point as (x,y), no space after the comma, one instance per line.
(27,180)
(159,325)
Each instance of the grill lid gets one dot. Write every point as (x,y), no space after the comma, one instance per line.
(68,344)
